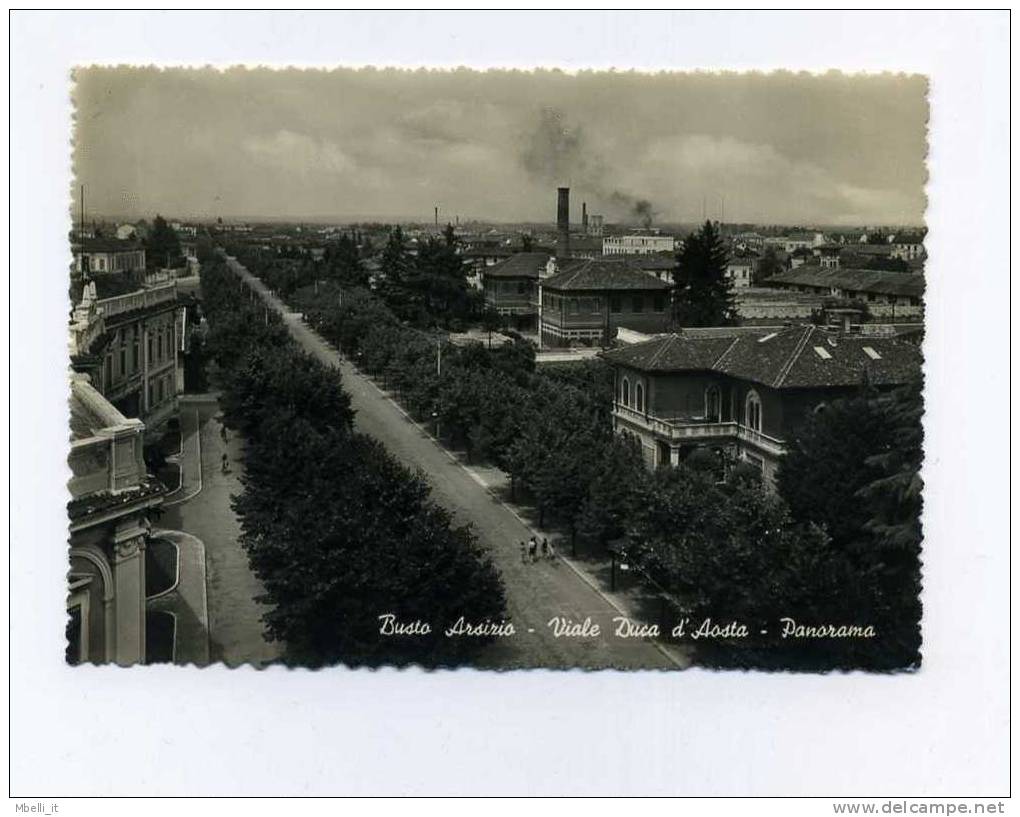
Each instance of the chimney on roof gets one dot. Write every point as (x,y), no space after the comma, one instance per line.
(584,217)
(563,222)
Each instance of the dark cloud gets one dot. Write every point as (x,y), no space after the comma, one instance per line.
(783,147)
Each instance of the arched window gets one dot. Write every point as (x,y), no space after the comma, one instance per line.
(713,404)
(752,411)
(639,397)
(625,392)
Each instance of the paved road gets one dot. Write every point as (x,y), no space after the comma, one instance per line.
(536,592)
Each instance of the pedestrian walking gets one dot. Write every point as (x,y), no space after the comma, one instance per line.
(533,549)
(547,549)
(223,432)
(524,552)
(225,463)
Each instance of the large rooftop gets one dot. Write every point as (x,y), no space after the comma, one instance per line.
(520,265)
(857,280)
(585,275)
(796,357)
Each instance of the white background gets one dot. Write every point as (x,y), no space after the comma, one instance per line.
(164,730)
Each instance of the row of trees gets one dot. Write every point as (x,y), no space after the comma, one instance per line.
(838,543)
(428,288)
(551,431)
(336,529)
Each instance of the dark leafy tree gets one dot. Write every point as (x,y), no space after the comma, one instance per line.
(335,529)
(703,295)
(162,247)
(873,517)
(768,265)
(344,263)
(730,553)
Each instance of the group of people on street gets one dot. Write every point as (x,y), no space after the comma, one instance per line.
(225,460)
(530,550)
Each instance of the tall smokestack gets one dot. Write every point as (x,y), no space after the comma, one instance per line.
(563,223)
(584,217)
(437,215)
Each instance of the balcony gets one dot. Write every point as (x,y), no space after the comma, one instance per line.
(141,299)
(685,430)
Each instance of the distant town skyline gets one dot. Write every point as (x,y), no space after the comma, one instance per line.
(780,148)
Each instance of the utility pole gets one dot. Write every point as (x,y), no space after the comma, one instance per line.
(82,258)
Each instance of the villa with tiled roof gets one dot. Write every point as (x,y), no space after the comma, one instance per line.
(585,301)
(511,286)
(744,391)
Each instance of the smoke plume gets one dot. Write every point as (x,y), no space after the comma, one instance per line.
(557,153)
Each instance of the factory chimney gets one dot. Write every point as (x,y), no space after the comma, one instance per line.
(584,217)
(563,223)
(437,215)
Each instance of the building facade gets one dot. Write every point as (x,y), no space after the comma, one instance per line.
(511,286)
(637,244)
(583,302)
(740,271)
(887,294)
(909,249)
(743,392)
(128,345)
(111,500)
(101,255)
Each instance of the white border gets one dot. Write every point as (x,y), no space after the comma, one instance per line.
(941,732)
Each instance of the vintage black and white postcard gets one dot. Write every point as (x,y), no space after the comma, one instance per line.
(497,369)
(510,403)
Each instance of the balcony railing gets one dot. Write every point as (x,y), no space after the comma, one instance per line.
(686,430)
(141,299)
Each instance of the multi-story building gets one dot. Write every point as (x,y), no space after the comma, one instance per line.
(740,271)
(111,499)
(887,294)
(743,391)
(511,286)
(908,248)
(102,255)
(828,255)
(583,302)
(637,244)
(128,346)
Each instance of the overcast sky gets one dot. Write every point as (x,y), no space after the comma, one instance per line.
(779,148)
